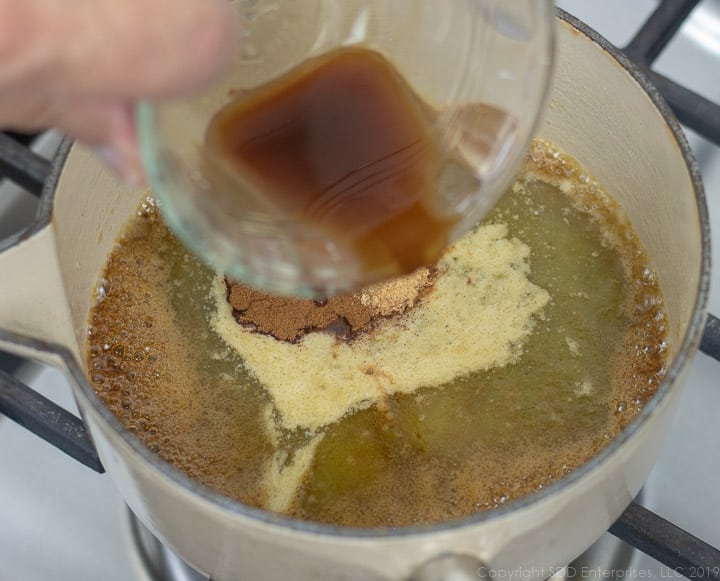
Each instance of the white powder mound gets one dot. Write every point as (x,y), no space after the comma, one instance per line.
(477,317)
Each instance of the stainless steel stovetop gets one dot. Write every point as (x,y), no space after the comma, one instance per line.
(60,521)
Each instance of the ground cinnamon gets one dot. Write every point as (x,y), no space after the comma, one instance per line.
(289,318)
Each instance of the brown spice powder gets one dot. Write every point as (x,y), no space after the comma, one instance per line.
(289,318)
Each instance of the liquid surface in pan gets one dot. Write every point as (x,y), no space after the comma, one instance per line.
(530,344)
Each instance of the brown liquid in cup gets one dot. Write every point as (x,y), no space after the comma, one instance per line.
(342,144)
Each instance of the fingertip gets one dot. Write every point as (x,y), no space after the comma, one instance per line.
(124,163)
(121,149)
(108,128)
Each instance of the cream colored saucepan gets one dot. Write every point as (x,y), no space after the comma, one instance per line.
(601,113)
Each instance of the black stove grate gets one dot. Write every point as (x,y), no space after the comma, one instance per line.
(638,526)
(691,109)
(674,547)
(28,170)
(21,165)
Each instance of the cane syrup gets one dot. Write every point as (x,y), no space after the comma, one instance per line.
(342,144)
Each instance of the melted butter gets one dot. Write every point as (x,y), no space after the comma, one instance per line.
(476,441)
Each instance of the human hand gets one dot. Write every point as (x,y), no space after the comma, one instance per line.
(79,65)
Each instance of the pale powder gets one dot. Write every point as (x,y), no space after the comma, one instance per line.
(397,295)
(478,315)
(285,469)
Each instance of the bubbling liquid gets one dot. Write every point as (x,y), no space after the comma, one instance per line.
(592,358)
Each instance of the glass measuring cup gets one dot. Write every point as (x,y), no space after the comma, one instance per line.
(482,66)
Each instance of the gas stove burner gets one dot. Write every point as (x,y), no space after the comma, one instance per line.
(609,557)
(159,562)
